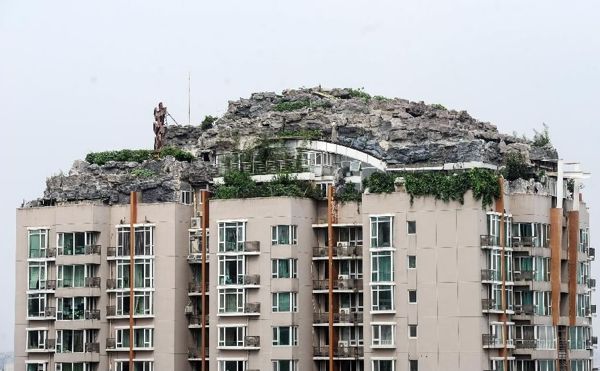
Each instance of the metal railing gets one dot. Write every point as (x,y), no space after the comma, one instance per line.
(339,284)
(194,353)
(111,343)
(92,314)
(245,246)
(93,249)
(523,275)
(111,310)
(486,240)
(525,343)
(339,351)
(252,308)
(352,317)
(196,320)
(93,282)
(251,341)
(196,287)
(524,309)
(50,312)
(489,304)
(92,347)
(323,251)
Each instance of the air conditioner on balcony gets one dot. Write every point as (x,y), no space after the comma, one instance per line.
(344,310)
(343,344)
(343,277)
(196,223)
(343,244)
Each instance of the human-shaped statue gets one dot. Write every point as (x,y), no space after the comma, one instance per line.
(160,128)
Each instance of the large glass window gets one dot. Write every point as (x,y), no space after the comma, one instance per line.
(74,243)
(350,236)
(36,305)
(142,337)
(580,365)
(384,365)
(231,300)
(36,339)
(70,341)
(284,235)
(144,273)
(37,366)
(381,231)
(383,334)
(284,268)
(285,336)
(541,266)
(382,266)
(137,366)
(542,303)
(71,276)
(69,309)
(231,336)
(123,241)
(546,337)
(37,276)
(231,269)
(546,365)
(144,240)
(285,302)
(578,337)
(232,365)
(285,365)
(38,243)
(232,236)
(77,366)
(382,297)
(584,239)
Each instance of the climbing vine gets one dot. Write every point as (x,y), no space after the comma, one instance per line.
(237,184)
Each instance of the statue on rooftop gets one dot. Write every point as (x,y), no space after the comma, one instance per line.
(160,128)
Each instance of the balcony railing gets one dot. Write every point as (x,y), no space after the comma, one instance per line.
(93,282)
(50,312)
(93,249)
(111,343)
(490,340)
(487,240)
(92,314)
(352,317)
(489,304)
(111,251)
(251,279)
(592,253)
(592,283)
(50,284)
(525,343)
(111,284)
(252,308)
(194,353)
(524,309)
(523,275)
(246,246)
(339,351)
(196,320)
(111,310)
(338,251)
(339,284)
(92,347)
(526,241)
(196,287)
(252,341)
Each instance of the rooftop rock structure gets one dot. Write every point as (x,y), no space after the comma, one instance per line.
(396,131)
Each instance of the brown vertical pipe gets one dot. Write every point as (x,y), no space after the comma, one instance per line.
(132,221)
(330,271)
(204,196)
(555,248)
(502,244)
(572,261)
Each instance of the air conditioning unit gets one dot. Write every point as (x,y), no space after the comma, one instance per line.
(342,285)
(343,244)
(355,166)
(342,344)
(196,223)
(344,310)
(343,277)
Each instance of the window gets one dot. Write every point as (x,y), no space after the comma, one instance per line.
(231,365)
(352,236)
(71,276)
(75,243)
(382,298)
(284,268)
(383,335)
(123,241)
(412,262)
(583,273)
(38,243)
(284,235)
(411,227)
(231,300)
(73,367)
(231,336)
(70,341)
(37,366)
(36,305)
(285,365)
(578,337)
(413,365)
(144,273)
(285,336)
(142,338)
(381,231)
(412,296)
(580,365)
(196,241)
(541,267)
(70,308)
(542,303)
(187,197)
(546,365)
(231,269)
(232,236)
(382,266)
(123,274)
(137,366)
(143,303)
(37,276)
(546,337)
(36,339)
(412,331)
(144,240)
(284,302)
(384,365)
(584,240)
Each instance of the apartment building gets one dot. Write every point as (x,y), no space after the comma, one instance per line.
(389,282)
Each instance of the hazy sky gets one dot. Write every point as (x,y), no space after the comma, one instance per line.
(77,76)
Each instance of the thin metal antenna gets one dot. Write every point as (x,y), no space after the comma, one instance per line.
(189,98)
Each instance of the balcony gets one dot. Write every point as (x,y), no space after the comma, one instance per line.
(251,279)
(523,276)
(591,311)
(111,251)
(194,353)
(195,258)
(195,321)
(339,284)
(525,343)
(111,311)
(592,283)
(339,351)
(338,252)
(487,241)
(252,342)
(93,249)
(93,282)
(491,275)
(196,287)
(50,312)
(93,314)
(92,347)
(524,309)
(50,284)
(490,305)
(493,341)
(252,308)
(526,242)
(251,247)
(592,253)
(350,318)
(111,344)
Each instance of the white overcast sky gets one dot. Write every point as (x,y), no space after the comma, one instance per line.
(77,76)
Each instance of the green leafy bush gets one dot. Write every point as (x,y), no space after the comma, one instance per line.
(380,182)
(237,184)
(142,173)
(348,193)
(541,139)
(516,167)
(304,134)
(438,106)
(292,105)
(359,93)
(136,155)
(207,123)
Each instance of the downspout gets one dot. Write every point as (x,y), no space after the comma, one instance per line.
(204,195)
(330,192)
(132,220)
(502,243)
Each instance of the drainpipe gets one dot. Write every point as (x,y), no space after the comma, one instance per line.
(133,198)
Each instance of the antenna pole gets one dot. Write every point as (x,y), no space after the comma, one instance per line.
(189,98)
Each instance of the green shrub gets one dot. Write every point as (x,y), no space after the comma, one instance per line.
(438,106)
(237,184)
(136,155)
(381,98)
(208,121)
(359,93)
(142,173)
(541,139)
(292,105)
(179,154)
(380,182)
(307,134)
(516,167)
(348,193)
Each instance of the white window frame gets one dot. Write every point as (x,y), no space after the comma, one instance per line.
(42,337)
(292,234)
(43,242)
(377,340)
(292,336)
(147,364)
(239,261)
(122,333)
(293,364)
(293,301)
(240,334)
(408,258)
(223,293)
(375,298)
(376,366)
(240,229)
(43,276)
(375,220)
(376,256)
(43,303)
(60,344)
(293,265)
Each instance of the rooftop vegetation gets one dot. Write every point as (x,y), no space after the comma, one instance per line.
(137,155)
(208,121)
(237,184)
